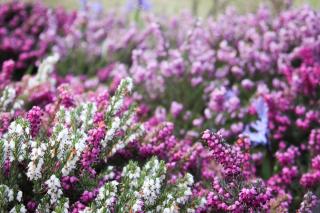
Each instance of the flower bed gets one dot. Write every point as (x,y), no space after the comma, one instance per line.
(99,113)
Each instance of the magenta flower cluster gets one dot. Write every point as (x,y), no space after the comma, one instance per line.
(27,31)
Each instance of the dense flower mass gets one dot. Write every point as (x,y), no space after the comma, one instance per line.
(102,113)
(27,31)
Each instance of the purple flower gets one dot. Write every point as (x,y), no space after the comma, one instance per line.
(34,117)
(228,156)
(176,109)
(31,205)
(65,96)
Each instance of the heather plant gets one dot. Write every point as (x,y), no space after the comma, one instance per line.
(145,189)
(27,33)
(59,157)
(76,137)
(236,190)
(167,65)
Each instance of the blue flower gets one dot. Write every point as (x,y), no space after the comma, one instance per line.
(95,7)
(229,94)
(83,4)
(138,5)
(258,130)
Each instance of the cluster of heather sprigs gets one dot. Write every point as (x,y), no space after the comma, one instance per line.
(100,112)
(63,155)
(27,31)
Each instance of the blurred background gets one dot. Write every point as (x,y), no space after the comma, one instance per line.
(168,7)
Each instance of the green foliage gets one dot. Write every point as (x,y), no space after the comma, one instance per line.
(145,189)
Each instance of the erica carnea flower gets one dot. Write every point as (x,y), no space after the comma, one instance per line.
(229,157)
(310,203)
(76,137)
(71,143)
(54,189)
(176,109)
(7,97)
(6,73)
(34,118)
(235,191)
(144,189)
